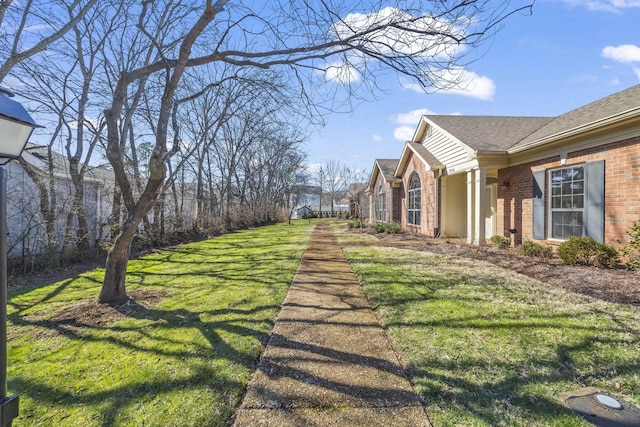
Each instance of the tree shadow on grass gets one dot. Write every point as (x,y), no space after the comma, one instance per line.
(114,400)
(154,338)
(454,349)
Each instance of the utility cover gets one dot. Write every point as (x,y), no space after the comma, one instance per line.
(587,403)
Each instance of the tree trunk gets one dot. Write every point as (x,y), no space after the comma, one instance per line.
(113,286)
(117,262)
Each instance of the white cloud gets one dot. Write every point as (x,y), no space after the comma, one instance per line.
(406,35)
(394,32)
(636,71)
(468,83)
(416,87)
(615,6)
(341,73)
(412,117)
(460,82)
(404,133)
(408,121)
(376,138)
(622,53)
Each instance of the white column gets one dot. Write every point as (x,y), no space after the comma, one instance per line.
(470,208)
(480,206)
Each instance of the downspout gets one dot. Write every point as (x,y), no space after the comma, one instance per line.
(436,216)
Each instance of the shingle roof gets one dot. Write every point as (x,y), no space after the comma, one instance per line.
(61,164)
(490,133)
(609,107)
(388,167)
(425,154)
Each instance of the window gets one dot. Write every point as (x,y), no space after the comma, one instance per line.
(567,202)
(413,210)
(381,207)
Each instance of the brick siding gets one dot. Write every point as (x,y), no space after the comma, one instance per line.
(622,189)
(427,213)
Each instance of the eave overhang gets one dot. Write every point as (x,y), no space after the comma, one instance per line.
(597,125)
(415,148)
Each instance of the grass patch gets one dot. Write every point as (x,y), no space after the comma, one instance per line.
(352,236)
(181,356)
(487,347)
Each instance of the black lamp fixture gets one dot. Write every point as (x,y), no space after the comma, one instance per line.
(504,185)
(16,126)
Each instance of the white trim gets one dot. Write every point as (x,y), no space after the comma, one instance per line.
(470,216)
(549,200)
(480,198)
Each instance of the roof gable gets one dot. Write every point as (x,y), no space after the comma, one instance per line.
(387,168)
(417,149)
(489,133)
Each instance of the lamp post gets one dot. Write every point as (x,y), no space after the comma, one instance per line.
(16,126)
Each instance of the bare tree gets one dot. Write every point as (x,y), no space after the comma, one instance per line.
(356,180)
(66,91)
(35,24)
(320,179)
(423,40)
(336,181)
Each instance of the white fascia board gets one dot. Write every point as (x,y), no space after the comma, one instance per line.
(498,159)
(462,167)
(374,175)
(422,125)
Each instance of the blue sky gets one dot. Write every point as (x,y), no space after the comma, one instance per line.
(564,55)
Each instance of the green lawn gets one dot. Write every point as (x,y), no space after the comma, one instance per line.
(183,358)
(488,347)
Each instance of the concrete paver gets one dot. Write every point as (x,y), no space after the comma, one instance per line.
(328,361)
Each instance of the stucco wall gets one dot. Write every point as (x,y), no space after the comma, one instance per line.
(454,201)
(622,189)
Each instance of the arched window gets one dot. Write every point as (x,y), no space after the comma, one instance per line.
(413,196)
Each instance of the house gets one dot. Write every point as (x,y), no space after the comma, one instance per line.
(25,220)
(385,191)
(310,198)
(540,178)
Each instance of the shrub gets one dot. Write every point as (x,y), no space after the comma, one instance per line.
(393,227)
(587,251)
(354,224)
(533,249)
(631,250)
(500,241)
(388,227)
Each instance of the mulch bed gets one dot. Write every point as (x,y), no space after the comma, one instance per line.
(613,285)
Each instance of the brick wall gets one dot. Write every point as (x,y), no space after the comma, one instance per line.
(622,189)
(427,213)
(396,202)
(382,187)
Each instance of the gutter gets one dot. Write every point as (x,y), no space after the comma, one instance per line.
(436,222)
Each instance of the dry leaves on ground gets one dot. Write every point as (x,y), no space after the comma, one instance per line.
(613,285)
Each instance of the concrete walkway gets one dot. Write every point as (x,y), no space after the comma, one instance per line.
(328,362)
